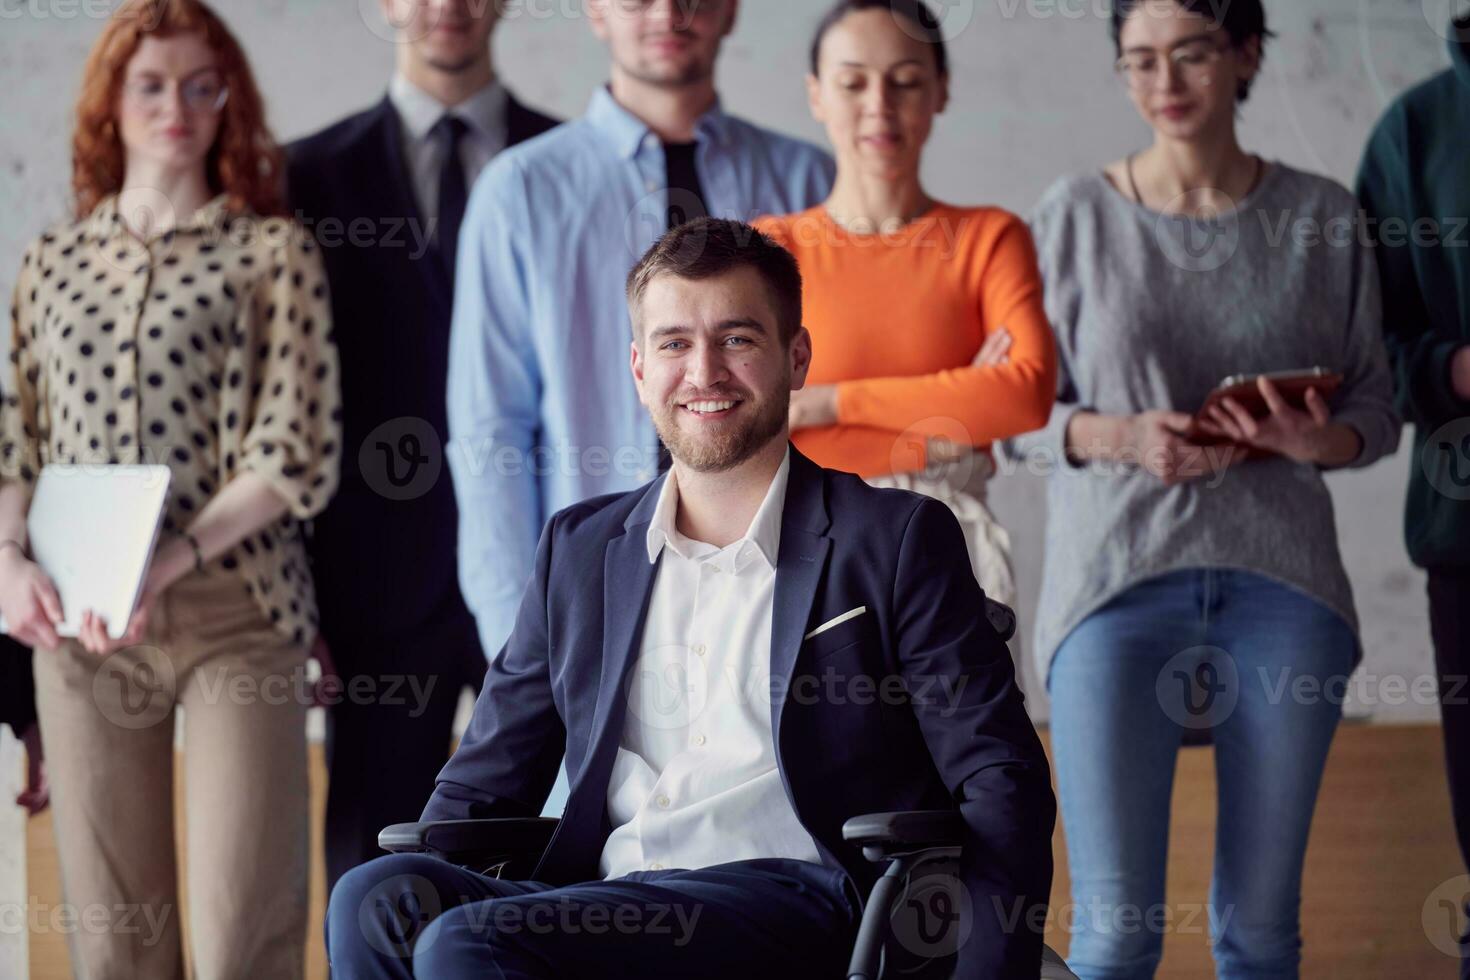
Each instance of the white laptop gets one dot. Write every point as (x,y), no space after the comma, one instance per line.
(93,528)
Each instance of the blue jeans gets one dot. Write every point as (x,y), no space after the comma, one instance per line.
(413,915)
(1264,667)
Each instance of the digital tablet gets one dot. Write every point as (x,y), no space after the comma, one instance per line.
(1245,390)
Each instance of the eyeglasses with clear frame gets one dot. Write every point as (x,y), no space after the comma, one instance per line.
(1192,60)
(203,91)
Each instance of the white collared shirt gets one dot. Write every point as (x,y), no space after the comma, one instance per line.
(695,781)
(484,112)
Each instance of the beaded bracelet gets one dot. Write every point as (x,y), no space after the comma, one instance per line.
(198,552)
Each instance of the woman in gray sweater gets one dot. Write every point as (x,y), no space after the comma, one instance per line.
(1186,585)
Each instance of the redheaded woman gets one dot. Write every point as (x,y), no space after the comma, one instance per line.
(177,320)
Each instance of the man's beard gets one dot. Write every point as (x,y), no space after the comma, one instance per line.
(717,452)
(692,73)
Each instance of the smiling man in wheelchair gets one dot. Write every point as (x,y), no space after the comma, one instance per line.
(757,670)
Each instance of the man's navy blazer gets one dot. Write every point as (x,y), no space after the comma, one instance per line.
(951,731)
(384,560)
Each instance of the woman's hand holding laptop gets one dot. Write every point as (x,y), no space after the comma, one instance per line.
(28,598)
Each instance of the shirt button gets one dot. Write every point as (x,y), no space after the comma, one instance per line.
(663,801)
(699,649)
(699,740)
(650,186)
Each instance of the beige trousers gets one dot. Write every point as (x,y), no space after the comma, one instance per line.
(961,485)
(108,727)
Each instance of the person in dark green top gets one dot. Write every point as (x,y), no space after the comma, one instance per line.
(1415,187)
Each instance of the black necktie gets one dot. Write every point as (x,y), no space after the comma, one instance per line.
(449,130)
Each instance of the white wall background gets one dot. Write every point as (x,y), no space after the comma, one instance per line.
(1034,98)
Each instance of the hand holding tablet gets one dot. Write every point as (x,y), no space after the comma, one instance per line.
(1231,412)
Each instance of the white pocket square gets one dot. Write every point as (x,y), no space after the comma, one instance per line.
(838,621)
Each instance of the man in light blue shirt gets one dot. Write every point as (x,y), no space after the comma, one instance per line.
(537,420)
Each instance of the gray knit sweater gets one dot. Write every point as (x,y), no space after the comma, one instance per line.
(1151,312)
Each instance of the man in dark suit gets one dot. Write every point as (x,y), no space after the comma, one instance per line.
(384,191)
(736,659)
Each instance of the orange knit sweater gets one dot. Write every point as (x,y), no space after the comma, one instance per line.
(896,320)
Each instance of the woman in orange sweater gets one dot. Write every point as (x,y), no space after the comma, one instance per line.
(927,323)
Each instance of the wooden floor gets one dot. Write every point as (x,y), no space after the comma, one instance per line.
(1380,845)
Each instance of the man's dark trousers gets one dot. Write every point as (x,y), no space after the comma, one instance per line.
(412,915)
(1449,618)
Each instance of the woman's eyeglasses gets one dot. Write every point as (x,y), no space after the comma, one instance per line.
(201,92)
(1192,61)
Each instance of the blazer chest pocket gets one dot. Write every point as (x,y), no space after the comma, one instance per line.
(838,634)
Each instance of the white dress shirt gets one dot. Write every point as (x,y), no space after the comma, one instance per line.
(484,112)
(695,781)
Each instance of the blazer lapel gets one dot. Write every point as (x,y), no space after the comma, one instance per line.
(627,587)
(799,567)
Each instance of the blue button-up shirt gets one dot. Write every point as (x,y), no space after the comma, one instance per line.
(542,408)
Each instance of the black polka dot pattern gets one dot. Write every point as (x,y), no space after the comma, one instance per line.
(205,350)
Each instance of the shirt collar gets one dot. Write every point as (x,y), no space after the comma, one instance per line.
(762,539)
(485,111)
(105,221)
(627,132)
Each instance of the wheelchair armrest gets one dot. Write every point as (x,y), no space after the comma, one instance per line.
(881,835)
(906,840)
(478,843)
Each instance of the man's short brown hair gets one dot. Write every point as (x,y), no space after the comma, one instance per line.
(709,247)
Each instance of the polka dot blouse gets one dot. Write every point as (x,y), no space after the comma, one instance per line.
(208,349)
